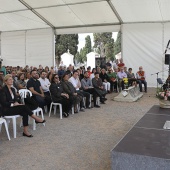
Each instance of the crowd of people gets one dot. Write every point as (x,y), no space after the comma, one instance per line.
(69,86)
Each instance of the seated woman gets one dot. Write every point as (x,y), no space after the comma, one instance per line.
(105,80)
(11,107)
(58,95)
(131,78)
(69,89)
(21,84)
(93,72)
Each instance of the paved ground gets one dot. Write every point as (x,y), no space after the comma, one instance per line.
(81,142)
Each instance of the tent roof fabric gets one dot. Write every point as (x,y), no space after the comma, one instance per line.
(83,15)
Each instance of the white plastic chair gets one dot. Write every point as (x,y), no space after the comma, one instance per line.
(23,94)
(13,123)
(55,107)
(97,100)
(6,127)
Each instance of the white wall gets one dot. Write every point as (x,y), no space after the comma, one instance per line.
(31,47)
(143,45)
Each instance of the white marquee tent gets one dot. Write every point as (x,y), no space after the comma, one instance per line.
(28,27)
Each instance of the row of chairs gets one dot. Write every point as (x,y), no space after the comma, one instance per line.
(6,119)
(23,94)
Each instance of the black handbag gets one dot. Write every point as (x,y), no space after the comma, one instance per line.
(31,103)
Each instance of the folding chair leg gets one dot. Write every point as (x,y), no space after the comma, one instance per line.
(6,127)
(14,127)
(50,110)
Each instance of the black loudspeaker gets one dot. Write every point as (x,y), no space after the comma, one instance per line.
(100,62)
(167,57)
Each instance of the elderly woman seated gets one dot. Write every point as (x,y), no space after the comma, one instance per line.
(105,80)
(11,107)
(131,78)
(59,96)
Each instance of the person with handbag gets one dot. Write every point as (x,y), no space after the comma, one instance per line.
(11,107)
(59,96)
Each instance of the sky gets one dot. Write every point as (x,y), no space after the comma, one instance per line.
(83,36)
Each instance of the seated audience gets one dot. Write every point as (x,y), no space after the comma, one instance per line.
(140,76)
(105,80)
(77,85)
(21,84)
(89,70)
(28,76)
(131,78)
(98,85)
(35,87)
(87,86)
(121,74)
(11,107)
(61,71)
(45,84)
(80,74)
(69,89)
(1,79)
(92,74)
(59,96)
(112,79)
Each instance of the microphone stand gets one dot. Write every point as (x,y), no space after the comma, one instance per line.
(157,78)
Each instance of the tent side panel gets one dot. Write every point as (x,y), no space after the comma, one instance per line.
(142,46)
(39,47)
(13,48)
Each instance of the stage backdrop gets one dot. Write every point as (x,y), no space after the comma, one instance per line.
(144,45)
(31,47)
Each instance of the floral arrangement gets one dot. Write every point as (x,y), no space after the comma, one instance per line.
(125,80)
(164,95)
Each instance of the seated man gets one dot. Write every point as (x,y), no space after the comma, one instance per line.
(45,84)
(87,86)
(77,85)
(98,85)
(112,79)
(121,74)
(140,76)
(35,87)
(105,80)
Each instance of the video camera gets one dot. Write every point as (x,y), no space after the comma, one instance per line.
(1,60)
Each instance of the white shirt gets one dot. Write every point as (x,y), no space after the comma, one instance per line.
(75,82)
(92,76)
(45,83)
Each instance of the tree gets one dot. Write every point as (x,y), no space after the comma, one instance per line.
(83,52)
(117,45)
(104,43)
(88,44)
(65,42)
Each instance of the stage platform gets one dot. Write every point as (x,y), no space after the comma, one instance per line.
(147,145)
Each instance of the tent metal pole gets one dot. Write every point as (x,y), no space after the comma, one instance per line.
(36,13)
(25,48)
(115,11)
(163,55)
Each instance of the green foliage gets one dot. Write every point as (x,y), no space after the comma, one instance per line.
(88,44)
(81,57)
(104,43)
(65,42)
(117,45)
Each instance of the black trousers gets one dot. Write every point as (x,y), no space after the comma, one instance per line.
(84,94)
(93,92)
(66,104)
(113,84)
(22,110)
